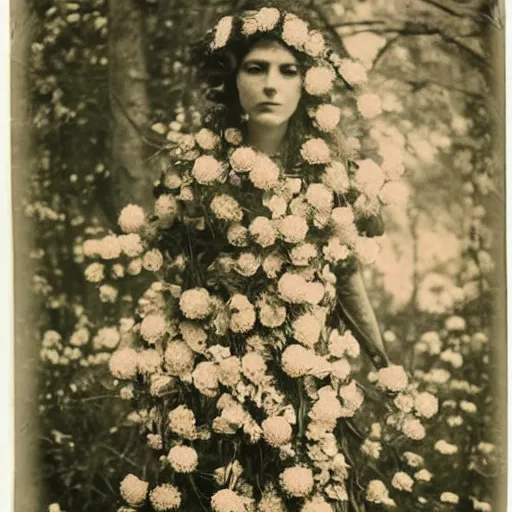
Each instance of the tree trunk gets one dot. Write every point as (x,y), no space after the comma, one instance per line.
(132,178)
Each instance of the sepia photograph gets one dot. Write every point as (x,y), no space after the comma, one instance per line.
(258,255)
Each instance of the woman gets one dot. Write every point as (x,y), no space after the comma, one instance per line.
(262,221)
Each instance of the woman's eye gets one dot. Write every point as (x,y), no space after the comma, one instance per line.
(252,69)
(290,71)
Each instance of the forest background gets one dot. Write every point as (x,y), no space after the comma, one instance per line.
(100,87)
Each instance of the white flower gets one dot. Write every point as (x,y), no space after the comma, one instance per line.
(454,421)
(295,31)
(229,371)
(371,448)
(233,136)
(486,448)
(153,260)
(376,492)
(132,218)
(315,45)
(293,228)
(353,72)
(80,337)
(276,431)
(295,289)
(402,481)
(307,329)
(413,459)
(352,398)
(301,255)
(468,407)
(455,323)
(179,359)
(336,178)
(194,336)
(394,193)
(426,404)
(413,429)
(124,364)
(319,197)
(481,506)
(206,139)
(267,18)
(271,314)
(452,357)
(265,173)
(297,481)
(392,378)
(166,208)
(91,248)
(206,170)
(272,265)
(205,378)
(335,251)
(165,497)
(449,497)
(318,80)
(445,448)
(343,344)
(369,105)
(227,500)
(153,327)
(225,207)
(222,32)
(195,303)
(243,159)
(155,441)
(107,337)
(297,360)
(263,231)
(404,402)
(95,272)
(131,244)
(149,361)
(183,459)
(110,247)
(133,490)
(182,422)
(423,475)
(327,117)
(276,204)
(369,177)
(316,504)
(247,264)
(366,249)
(254,367)
(237,235)
(315,151)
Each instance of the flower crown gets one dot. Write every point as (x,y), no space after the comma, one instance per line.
(294,32)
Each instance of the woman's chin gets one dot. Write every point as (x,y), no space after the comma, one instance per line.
(268,120)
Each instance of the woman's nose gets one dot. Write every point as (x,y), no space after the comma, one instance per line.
(269,91)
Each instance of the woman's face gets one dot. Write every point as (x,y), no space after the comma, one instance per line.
(269,84)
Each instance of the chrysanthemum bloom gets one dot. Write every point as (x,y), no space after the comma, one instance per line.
(80,337)
(404,402)
(227,500)
(295,289)
(272,265)
(377,492)
(160,384)
(254,367)
(352,398)
(335,251)
(182,422)
(277,204)
(229,371)
(402,481)
(392,378)
(276,431)
(316,504)
(153,327)
(297,481)
(295,31)
(237,235)
(206,139)
(227,208)
(222,32)
(131,245)
(454,421)
(481,506)
(445,448)
(265,173)
(165,497)
(336,178)
(301,255)
(345,344)
(353,72)
(455,323)
(166,208)
(263,232)
(316,151)
(267,18)
(149,361)
(179,359)
(271,314)
(233,136)
(91,248)
(155,441)
(132,218)
(293,228)
(195,303)
(124,363)
(368,177)
(152,260)
(133,490)
(296,360)
(327,117)
(243,159)
(109,247)
(194,336)
(183,459)
(366,249)
(424,475)
(369,105)
(449,497)
(413,459)
(468,407)
(426,404)
(205,378)
(341,369)
(318,80)
(371,448)
(127,392)
(271,502)
(413,429)
(95,272)
(307,329)
(108,294)
(206,170)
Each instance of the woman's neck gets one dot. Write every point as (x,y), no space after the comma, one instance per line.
(266,139)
